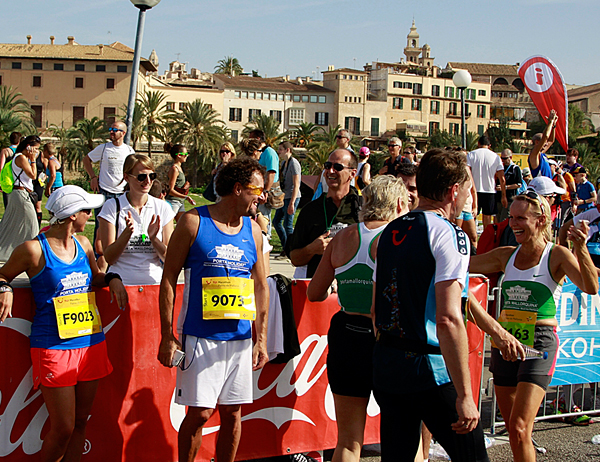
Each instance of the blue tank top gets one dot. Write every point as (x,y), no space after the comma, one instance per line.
(58,181)
(59,278)
(216,254)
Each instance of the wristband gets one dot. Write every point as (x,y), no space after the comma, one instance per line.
(5,287)
(110,276)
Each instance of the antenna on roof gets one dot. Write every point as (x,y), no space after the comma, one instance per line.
(178,55)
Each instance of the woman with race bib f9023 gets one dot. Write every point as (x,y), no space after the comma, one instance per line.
(68,350)
(534,273)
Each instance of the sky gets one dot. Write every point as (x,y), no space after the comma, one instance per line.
(283,37)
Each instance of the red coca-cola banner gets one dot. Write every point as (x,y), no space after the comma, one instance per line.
(134,417)
(547,90)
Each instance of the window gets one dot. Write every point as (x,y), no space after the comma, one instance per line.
(110,84)
(296,98)
(236,94)
(345,99)
(273,97)
(288,97)
(352,124)
(415,105)
(121,68)
(296,116)
(37,66)
(251,95)
(453,108)
(397,84)
(37,116)
(417,89)
(100,68)
(433,127)
(481,111)
(277,115)
(322,99)
(234,136)
(182,106)
(472,93)
(355,99)
(80,67)
(235,114)
(170,106)
(16,65)
(397,103)
(374,127)
(359,99)
(408,85)
(449,92)
(322,118)
(37,81)
(59,67)
(0,79)
(480,129)
(313,98)
(244,95)
(259,95)
(78,82)
(467,112)
(280,97)
(78,113)
(435,107)
(481,92)
(109,115)
(454,129)
(252,114)
(435,90)
(305,98)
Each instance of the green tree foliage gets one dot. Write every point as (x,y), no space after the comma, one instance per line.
(442,139)
(65,142)
(15,114)
(589,159)
(579,124)
(228,66)
(137,124)
(87,134)
(304,134)
(268,125)
(472,140)
(154,111)
(500,134)
(198,126)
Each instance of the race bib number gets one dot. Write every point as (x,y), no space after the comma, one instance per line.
(228,298)
(77,315)
(519,323)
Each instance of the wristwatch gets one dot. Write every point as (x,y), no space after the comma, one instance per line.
(5,287)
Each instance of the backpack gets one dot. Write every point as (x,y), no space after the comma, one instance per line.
(6,178)
(490,238)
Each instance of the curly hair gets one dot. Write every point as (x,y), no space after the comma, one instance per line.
(239,170)
(250,146)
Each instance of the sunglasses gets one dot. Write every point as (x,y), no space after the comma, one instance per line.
(114,130)
(224,151)
(339,137)
(184,154)
(407,152)
(142,176)
(393,145)
(504,158)
(337,167)
(88,211)
(256,190)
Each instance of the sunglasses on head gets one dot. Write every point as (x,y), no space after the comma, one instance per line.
(141,177)
(337,167)
(531,194)
(114,130)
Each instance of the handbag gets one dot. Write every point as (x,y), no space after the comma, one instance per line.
(33,196)
(209,192)
(275,197)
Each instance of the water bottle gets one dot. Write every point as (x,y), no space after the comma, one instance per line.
(532,353)
(596,439)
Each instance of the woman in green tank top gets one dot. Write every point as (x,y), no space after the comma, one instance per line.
(349,258)
(534,273)
(178,187)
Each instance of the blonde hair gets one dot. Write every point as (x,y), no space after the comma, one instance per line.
(131,161)
(381,198)
(538,206)
(229,146)
(50,149)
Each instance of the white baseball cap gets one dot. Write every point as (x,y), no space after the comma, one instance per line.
(544,186)
(70,199)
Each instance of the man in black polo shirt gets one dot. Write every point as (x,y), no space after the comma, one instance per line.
(320,219)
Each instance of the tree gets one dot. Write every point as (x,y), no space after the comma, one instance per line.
(198,126)
(153,114)
(88,134)
(500,134)
(268,125)
(137,124)
(579,124)
(15,114)
(304,133)
(65,139)
(228,66)
(442,139)
(472,140)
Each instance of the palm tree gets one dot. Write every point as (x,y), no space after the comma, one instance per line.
(10,99)
(15,114)
(304,133)
(229,66)
(472,140)
(268,125)
(199,127)
(66,139)
(88,134)
(137,123)
(153,113)
(11,122)
(328,136)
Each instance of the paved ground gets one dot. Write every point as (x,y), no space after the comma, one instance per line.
(563,442)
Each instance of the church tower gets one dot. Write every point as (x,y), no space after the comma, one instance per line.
(412,50)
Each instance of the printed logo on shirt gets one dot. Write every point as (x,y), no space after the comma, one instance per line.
(227,256)
(74,283)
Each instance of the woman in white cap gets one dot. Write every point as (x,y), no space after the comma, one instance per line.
(135,228)
(68,357)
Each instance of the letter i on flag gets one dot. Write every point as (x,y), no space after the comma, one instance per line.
(547,90)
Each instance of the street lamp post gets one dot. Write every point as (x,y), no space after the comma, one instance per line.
(143,5)
(462,79)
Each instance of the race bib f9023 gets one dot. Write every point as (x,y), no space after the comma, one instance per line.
(77,315)
(228,298)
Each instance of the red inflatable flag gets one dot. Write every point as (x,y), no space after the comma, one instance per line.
(547,90)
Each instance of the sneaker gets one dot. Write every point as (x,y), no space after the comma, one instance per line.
(580,420)
(561,408)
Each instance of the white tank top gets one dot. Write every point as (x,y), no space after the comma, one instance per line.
(21,178)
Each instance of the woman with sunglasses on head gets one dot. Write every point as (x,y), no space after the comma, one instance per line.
(533,275)
(135,228)
(178,187)
(68,358)
(226,154)
(19,223)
